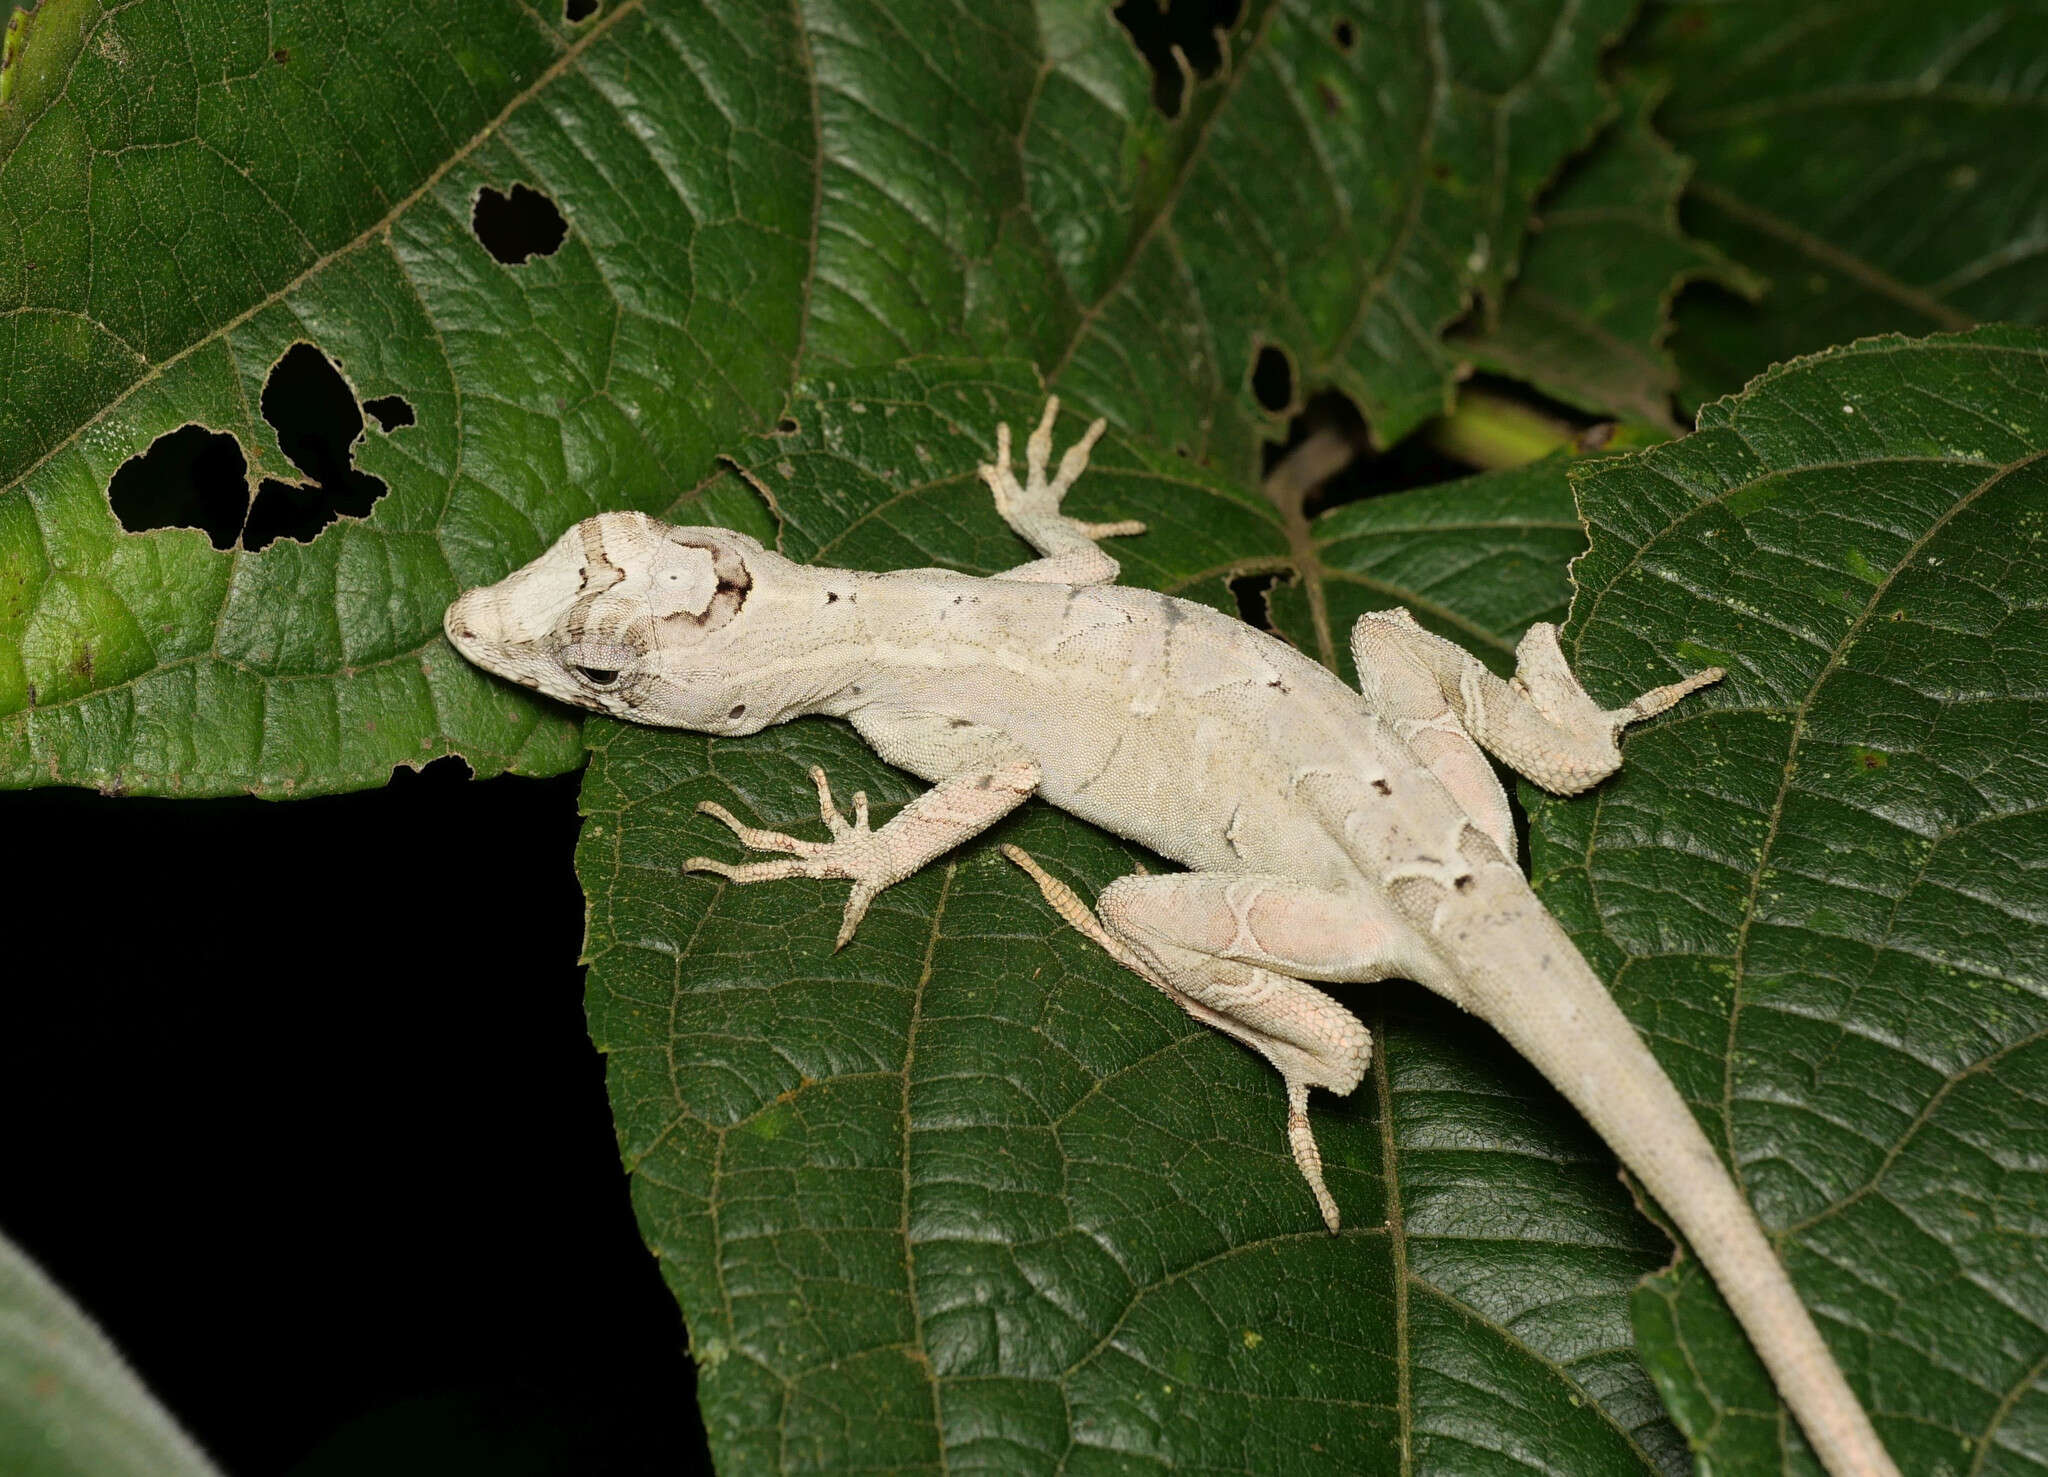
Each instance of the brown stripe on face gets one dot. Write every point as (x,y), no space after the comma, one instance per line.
(596,562)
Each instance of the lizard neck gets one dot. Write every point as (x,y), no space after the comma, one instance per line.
(901,637)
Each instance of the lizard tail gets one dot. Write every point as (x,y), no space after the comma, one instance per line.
(1564,1021)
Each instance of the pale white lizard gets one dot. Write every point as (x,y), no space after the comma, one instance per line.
(1328,834)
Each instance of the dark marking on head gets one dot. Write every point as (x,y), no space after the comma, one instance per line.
(1383,787)
(738,708)
(963,723)
(734,581)
(1277,683)
(831,596)
(1464,883)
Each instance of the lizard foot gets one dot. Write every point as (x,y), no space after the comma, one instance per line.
(854,852)
(1542,674)
(1037,500)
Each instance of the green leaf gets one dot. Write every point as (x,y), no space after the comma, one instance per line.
(1819,891)
(603,375)
(1478,561)
(1876,162)
(69,1406)
(965,1193)
(1586,319)
(749,193)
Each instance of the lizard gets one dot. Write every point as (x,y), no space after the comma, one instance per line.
(1326,834)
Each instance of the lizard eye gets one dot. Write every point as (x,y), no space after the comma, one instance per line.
(598,664)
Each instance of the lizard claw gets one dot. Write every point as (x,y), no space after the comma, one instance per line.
(1657,699)
(854,853)
(1039,496)
(1307,1157)
(752,836)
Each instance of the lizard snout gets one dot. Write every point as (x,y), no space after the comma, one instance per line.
(468,622)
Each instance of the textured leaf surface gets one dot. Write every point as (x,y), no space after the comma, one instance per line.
(1586,319)
(1819,894)
(1478,561)
(191,193)
(748,192)
(965,1194)
(1878,163)
(69,1406)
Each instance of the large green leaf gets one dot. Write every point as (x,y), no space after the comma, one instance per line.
(966,1194)
(1819,892)
(1586,319)
(748,192)
(1879,163)
(69,1405)
(156,286)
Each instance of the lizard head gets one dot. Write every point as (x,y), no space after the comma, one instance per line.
(626,615)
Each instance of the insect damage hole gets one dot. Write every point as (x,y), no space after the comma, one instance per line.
(1273,379)
(188,478)
(314,413)
(391,412)
(1181,42)
(1251,591)
(517,227)
(575,12)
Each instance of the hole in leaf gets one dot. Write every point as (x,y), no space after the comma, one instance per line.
(1273,379)
(188,478)
(577,11)
(1345,35)
(786,427)
(314,413)
(1250,590)
(518,226)
(1194,27)
(392,412)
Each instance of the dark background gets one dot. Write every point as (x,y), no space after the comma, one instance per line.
(301,1109)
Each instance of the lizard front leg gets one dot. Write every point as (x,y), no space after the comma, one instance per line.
(1227,948)
(1033,507)
(1543,724)
(982,776)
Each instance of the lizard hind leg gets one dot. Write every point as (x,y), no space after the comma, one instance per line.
(1542,724)
(1226,948)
